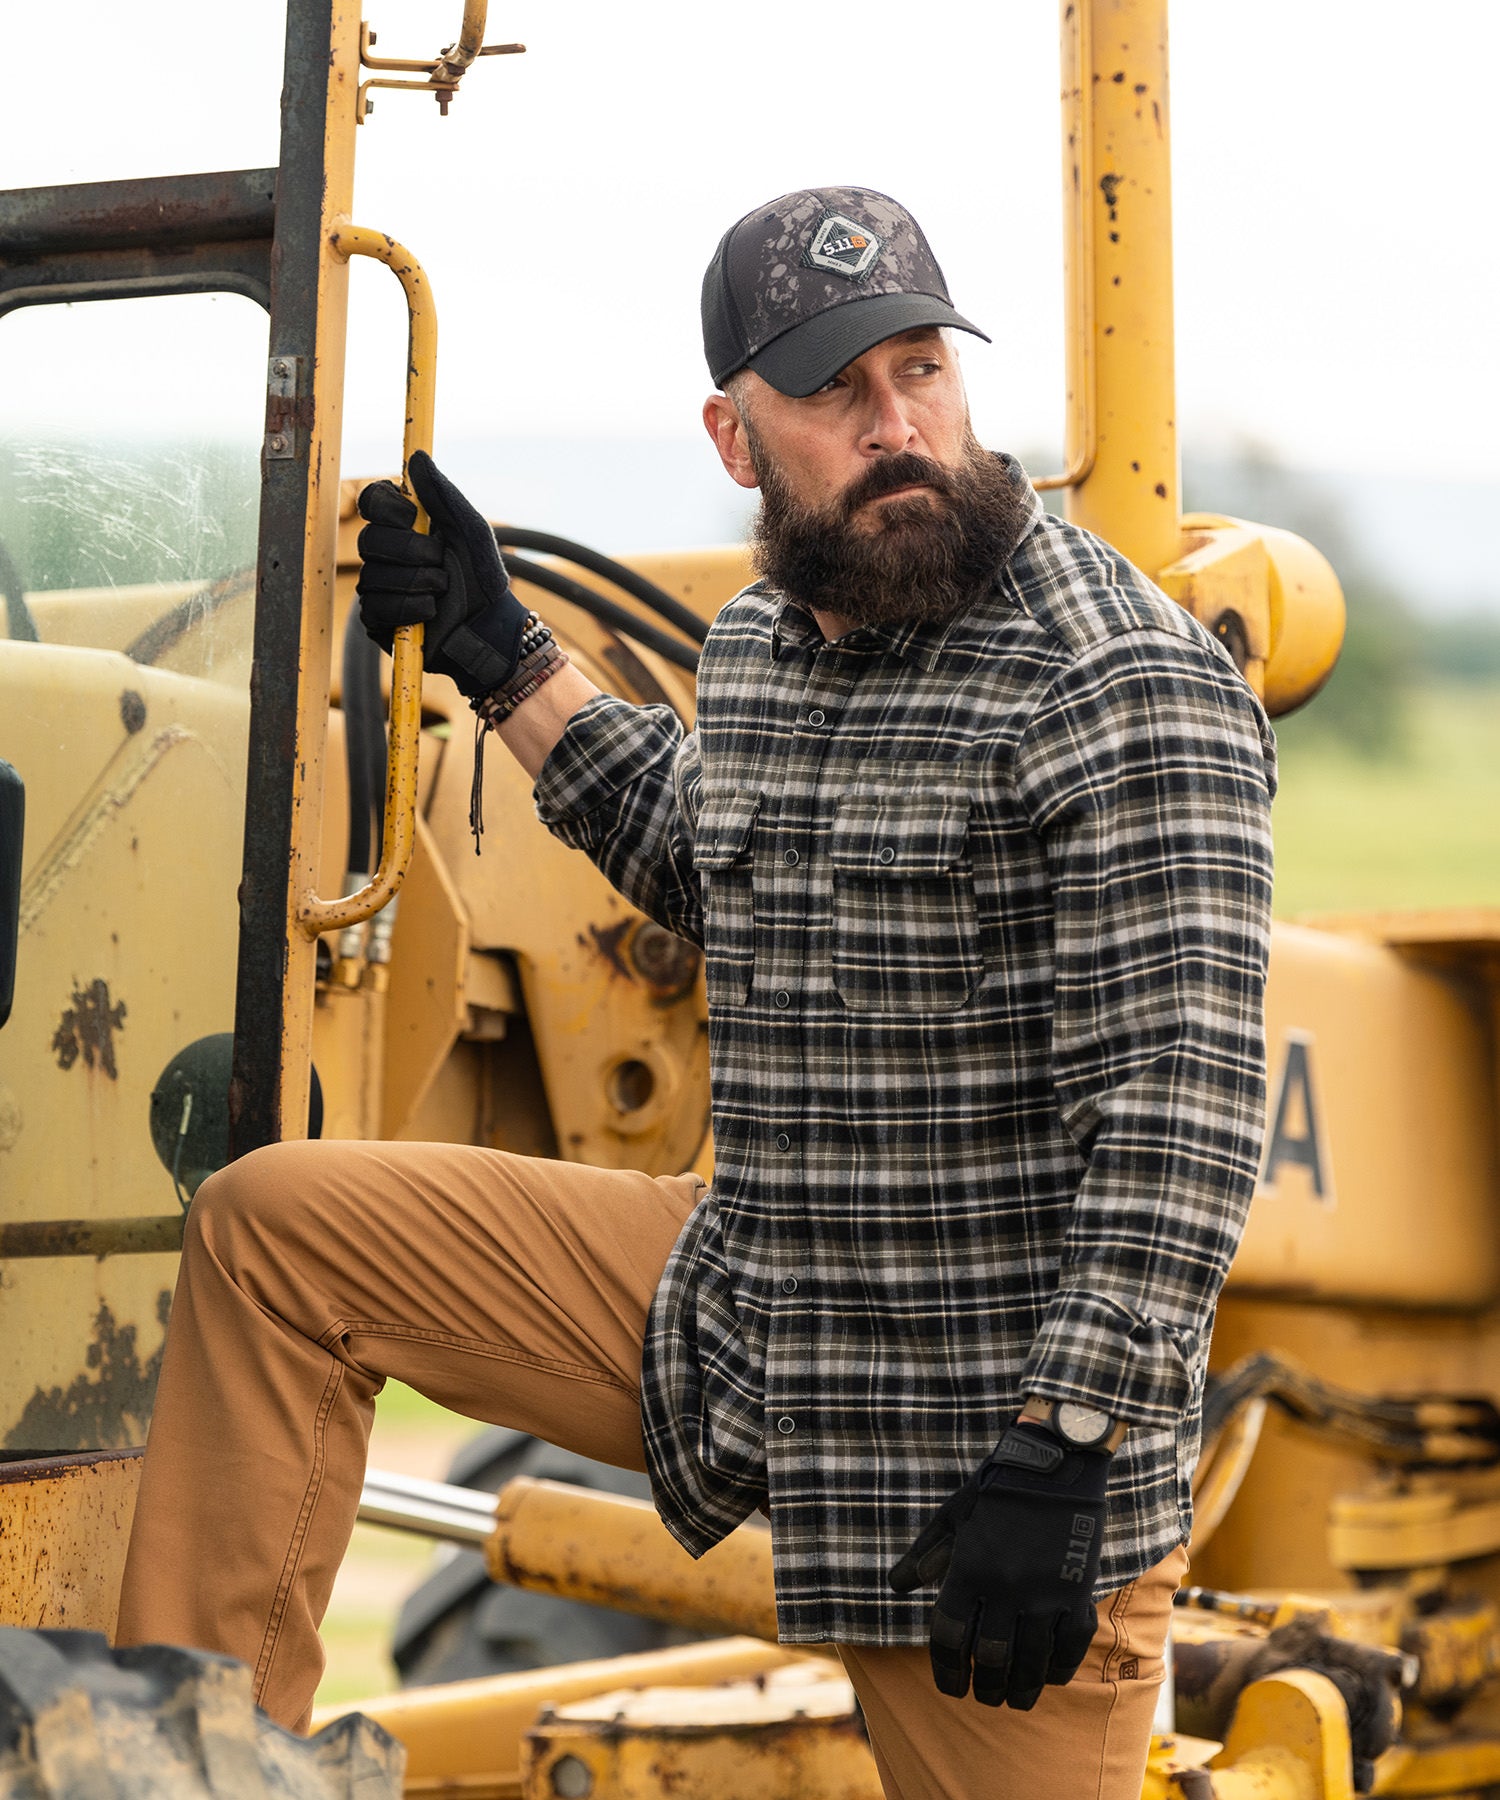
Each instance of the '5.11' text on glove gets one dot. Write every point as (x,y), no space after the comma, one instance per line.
(1016,1549)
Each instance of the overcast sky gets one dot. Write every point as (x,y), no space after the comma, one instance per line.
(1336,250)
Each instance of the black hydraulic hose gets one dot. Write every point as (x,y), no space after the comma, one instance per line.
(18,620)
(364,741)
(663,604)
(607,612)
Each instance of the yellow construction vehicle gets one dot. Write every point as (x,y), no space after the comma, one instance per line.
(176,1004)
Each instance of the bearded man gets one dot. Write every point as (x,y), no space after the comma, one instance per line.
(973,831)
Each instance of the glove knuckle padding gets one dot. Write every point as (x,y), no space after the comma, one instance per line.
(398,544)
(383,503)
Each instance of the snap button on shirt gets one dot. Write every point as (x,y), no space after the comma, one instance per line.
(887,854)
(783,1142)
(789,1284)
(817,716)
(790,858)
(786,1426)
(783,998)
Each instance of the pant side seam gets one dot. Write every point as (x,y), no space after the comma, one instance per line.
(474,1346)
(310,1495)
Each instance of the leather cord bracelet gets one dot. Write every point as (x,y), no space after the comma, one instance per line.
(540,657)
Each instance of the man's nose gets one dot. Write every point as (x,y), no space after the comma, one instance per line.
(888,426)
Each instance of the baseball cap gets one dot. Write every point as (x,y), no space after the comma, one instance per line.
(800,287)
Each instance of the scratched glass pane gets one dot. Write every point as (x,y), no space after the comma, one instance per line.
(129,498)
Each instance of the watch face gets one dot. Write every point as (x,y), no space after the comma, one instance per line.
(1083,1425)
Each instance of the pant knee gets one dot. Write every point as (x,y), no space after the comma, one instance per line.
(252,1201)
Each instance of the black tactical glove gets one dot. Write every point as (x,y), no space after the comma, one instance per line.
(452,581)
(1017,1551)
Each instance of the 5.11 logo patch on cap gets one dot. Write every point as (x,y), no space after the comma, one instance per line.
(843,247)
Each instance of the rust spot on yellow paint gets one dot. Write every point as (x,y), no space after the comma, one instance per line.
(105,1406)
(87,1029)
(608,941)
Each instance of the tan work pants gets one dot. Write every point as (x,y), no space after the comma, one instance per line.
(513,1290)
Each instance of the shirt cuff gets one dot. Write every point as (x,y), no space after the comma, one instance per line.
(606,745)
(1093,1350)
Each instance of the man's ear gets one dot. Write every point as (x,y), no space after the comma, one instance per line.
(721,418)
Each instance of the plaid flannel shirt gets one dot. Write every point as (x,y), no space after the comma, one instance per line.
(985,911)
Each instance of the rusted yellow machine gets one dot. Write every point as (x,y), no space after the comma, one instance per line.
(169,1011)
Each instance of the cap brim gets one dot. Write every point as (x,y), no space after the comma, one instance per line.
(801,360)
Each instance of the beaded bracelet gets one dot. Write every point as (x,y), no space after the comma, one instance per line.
(532,672)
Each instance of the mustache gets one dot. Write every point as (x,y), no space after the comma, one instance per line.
(889,473)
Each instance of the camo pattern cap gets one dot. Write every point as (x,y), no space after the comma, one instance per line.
(802,286)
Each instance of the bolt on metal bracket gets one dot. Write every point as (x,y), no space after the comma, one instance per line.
(283,385)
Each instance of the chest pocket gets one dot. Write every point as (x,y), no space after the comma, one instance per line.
(724,857)
(906,928)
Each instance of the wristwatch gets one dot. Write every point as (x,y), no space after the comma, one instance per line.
(1079,1426)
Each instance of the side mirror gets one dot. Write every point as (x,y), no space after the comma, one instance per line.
(12,826)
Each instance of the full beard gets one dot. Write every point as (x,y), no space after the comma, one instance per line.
(926,557)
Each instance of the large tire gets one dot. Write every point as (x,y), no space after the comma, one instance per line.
(79,1721)
(457,1624)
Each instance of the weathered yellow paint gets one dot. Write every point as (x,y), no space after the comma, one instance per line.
(1420,1529)
(464,1738)
(64,1523)
(794,1732)
(1289,1741)
(320,530)
(1461,1768)
(1117,166)
(316,916)
(611,1551)
(1275,1535)
(1173,1754)
(1402,1073)
(126,954)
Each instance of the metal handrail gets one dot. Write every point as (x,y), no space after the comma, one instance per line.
(317,916)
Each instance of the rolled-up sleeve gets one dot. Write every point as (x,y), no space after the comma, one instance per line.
(1147,771)
(621,784)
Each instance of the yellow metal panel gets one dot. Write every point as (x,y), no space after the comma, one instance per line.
(425,1009)
(623,1053)
(464,1738)
(1394,1059)
(126,954)
(64,1524)
(1459,1769)
(701,579)
(794,1732)
(1275,1534)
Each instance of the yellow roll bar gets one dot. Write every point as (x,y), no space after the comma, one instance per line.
(317,916)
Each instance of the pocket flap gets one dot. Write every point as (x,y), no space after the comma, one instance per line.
(899,834)
(725,822)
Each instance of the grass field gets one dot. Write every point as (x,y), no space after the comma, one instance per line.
(1421,828)
(1418,829)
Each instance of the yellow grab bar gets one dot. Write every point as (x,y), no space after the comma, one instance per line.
(316,916)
